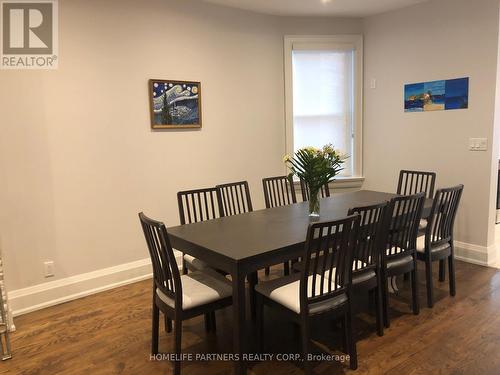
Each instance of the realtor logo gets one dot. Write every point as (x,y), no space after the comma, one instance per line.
(29,34)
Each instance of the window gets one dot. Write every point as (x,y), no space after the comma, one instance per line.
(323,78)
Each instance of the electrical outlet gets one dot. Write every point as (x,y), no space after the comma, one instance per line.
(49,268)
(373,83)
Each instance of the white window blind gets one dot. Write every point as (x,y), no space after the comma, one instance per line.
(323,78)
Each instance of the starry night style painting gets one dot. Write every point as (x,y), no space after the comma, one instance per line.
(437,95)
(175,104)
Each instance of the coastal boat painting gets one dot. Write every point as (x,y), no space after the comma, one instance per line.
(175,104)
(437,95)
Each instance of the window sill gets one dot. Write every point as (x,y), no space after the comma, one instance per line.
(341,183)
(347,182)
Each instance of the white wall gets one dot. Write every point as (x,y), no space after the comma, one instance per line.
(78,160)
(493,231)
(439,39)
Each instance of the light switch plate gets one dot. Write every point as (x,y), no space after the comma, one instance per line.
(483,144)
(478,144)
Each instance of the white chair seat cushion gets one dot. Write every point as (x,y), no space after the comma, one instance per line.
(393,250)
(178,258)
(422,224)
(286,290)
(360,264)
(397,250)
(194,264)
(435,248)
(200,288)
(421,244)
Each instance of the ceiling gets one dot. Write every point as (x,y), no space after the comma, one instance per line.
(343,8)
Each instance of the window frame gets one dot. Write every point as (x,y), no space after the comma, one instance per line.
(354,40)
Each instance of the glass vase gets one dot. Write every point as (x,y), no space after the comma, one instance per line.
(313,203)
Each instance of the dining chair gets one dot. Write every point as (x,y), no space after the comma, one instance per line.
(234,198)
(179,297)
(322,287)
(195,206)
(279,191)
(413,182)
(366,275)
(437,244)
(324,191)
(398,256)
(366,272)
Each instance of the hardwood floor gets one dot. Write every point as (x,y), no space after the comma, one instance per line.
(109,333)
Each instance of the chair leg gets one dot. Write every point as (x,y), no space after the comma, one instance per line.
(266,271)
(208,322)
(184,265)
(177,345)
(259,321)
(428,277)
(286,268)
(442,270)
(406,276)
(379,312)
(155,329)
(213,321)
(168,324)
(296,331)
(385,300)
(451,271)
(345,337)
(414,290)
(305,346)
(351,342)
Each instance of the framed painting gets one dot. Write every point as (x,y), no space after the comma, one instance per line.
(440,95)
(175,104)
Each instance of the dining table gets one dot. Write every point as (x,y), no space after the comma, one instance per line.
(240,245)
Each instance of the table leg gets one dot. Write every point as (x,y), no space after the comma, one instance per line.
(239,321)
(252,281)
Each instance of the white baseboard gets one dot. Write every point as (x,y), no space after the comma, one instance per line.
(23,301)
(39,296)
(481,255)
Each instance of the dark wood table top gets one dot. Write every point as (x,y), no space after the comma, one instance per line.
(242,237)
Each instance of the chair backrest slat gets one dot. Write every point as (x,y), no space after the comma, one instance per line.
(278,191)
(198,205)
(413,182)
(371,232)
(402,219)
(234,198)
(324,191)
(165,271)
(327,271)
(442,217)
